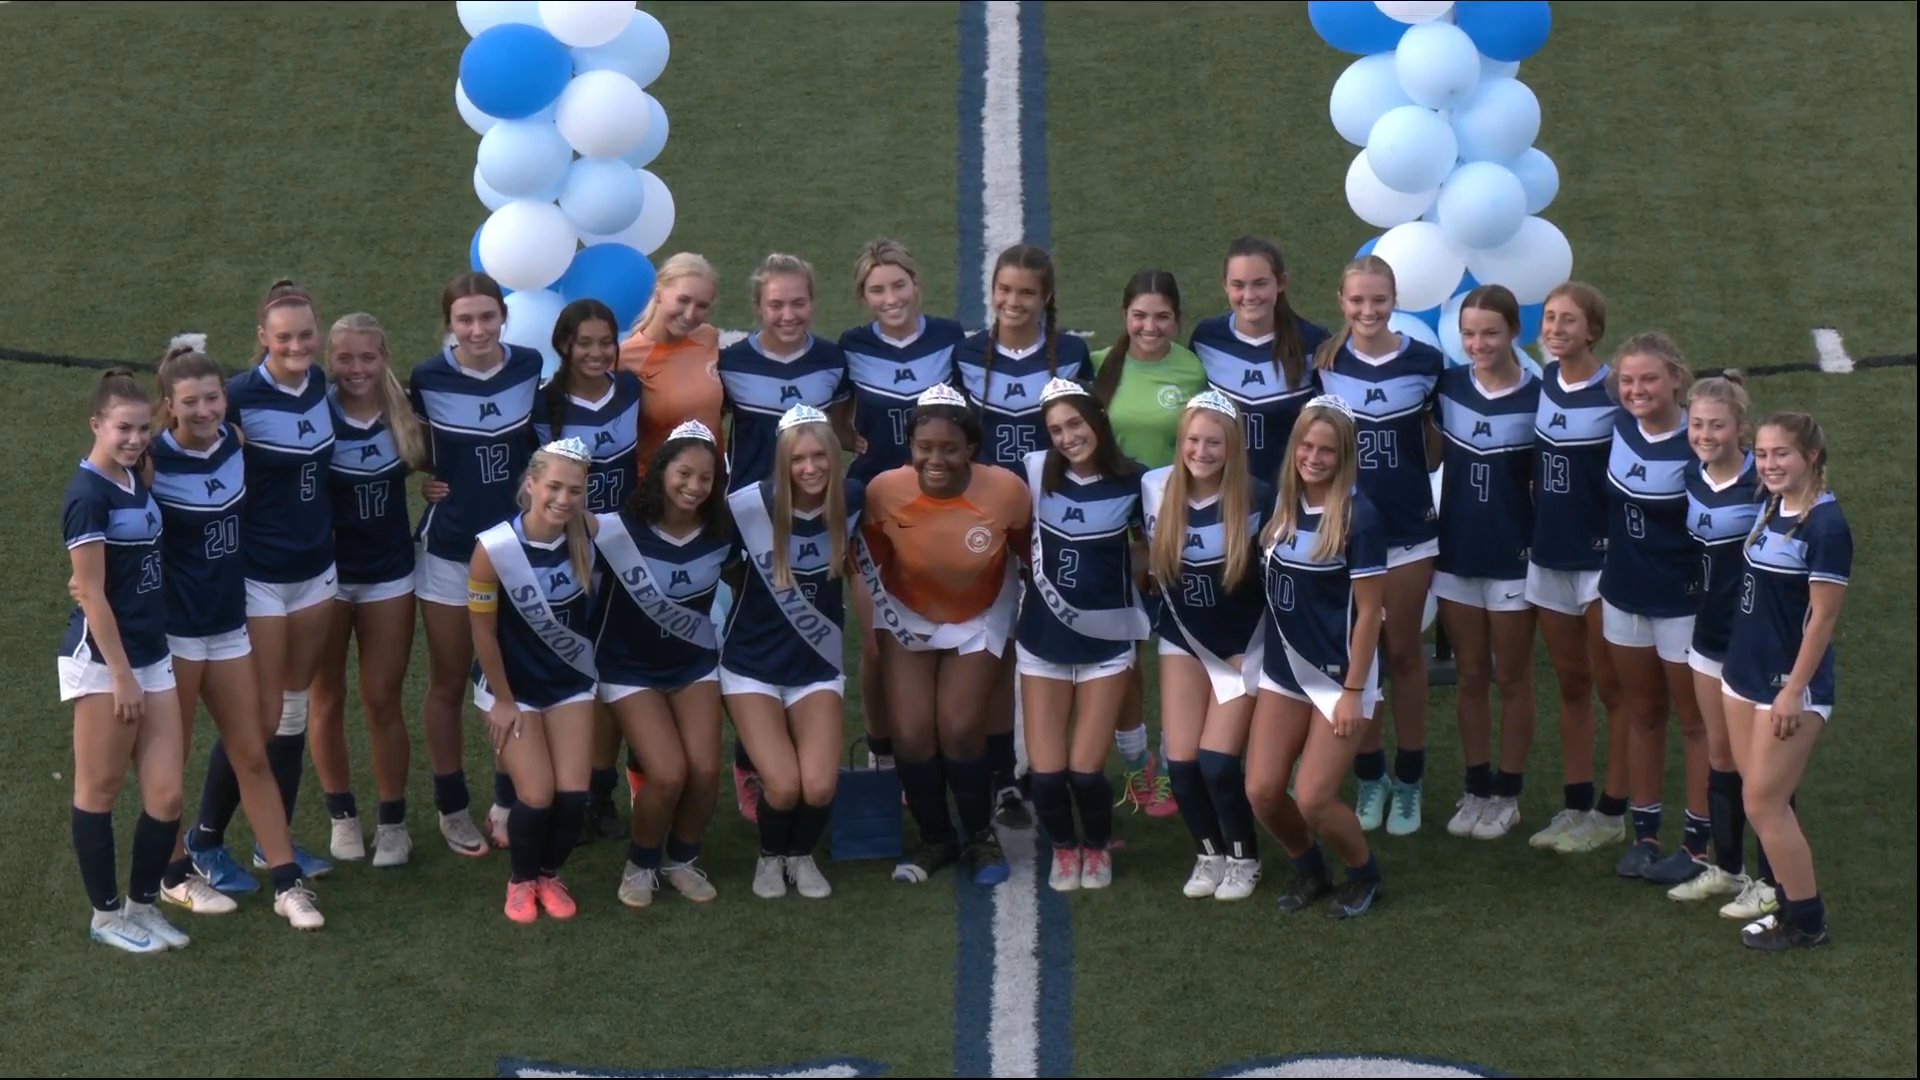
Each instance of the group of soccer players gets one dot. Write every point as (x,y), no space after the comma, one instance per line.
(660,533)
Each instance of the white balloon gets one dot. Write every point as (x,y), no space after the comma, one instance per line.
(1411,149)
(1415,327)
(1539,176)
(1425,266)
(531,314)
(656,140)
(1377,204)
(1498,122)
(1481,205)
(522,158)
(1438,65)
(1363,94)
(489,198)
(603,114)
(1413,11)
(585,23)
(653,226)
(527,244)
(1499,69)
(640,52)
(479,16)
(480,122)
(602,195)
(1450,342)
(1531,264)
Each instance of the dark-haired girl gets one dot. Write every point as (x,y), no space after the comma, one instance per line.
(476,399)
(115,669)
(587,399)
(938,545)
(1078,624)
(660,560)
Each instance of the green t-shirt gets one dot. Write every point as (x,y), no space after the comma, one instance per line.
(1146,407)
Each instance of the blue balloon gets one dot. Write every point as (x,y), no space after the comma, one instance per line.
(1411,149)
(1350,27)
(614,274)
(1539,176)
(1482,205)
(1499,122)
(522,158)
(601,195)
(514,70)
(639,53)
(642,156)
(1531,315)
(1362,95)
(1468,283)
(473,251)
(1506,30)
(1437,65)
(1366,248)
(1431,317)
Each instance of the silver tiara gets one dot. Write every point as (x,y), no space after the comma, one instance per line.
(1215,400)
(1332,401)
(692,429)
(570,448)
(800,414)
(1059,388)
(941,394)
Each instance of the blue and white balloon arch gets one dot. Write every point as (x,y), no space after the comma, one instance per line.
(1447,164)
(556,92)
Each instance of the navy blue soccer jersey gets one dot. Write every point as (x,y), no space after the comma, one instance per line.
(1573,438)
(639,646)
(100,510)
(887,376)
(1005,390)
(767,642)
(1719,517)
(369,478)
(1202,609)
(537,674)
(1391,400)
(1243,368)
(1486,497)
(1783,559)
(760,388)
(288,525)
(1084,533)
(1309,600)
(610,426)
(201,495)
(1652,567)
(481,428)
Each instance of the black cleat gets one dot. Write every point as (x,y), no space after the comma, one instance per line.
(1012,812)
(1300,895)
(1775,935)
(1354,899)
(925,861)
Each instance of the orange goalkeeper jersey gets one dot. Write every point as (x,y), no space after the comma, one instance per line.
(946,558)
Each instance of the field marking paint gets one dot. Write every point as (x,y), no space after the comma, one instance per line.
(520,1067)
(1002,154)
(1013,970)
(1833,352)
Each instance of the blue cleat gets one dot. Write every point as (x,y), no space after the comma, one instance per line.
(311,865)
(989,860)
(1639,858)
(1678,868)
(221,869)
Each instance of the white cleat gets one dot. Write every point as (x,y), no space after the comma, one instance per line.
(391,846)
(689,881)
(1238,882)
(1563,822)
(1466,816)
(637,886)
(297,906)
(1757,900)
(1096,868)
(1708,884)
(1208,872)
(805,876)
(1064,873)
(347,844)
(115,929)
(769,877)
(148,918)
(1595,832)
(462,835)
(1497,819)
(196,895)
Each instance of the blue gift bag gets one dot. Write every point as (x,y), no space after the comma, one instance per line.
(867,814)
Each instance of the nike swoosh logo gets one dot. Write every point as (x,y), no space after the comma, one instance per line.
(329,581)
(1513,596)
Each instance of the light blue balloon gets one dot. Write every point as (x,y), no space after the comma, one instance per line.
(1438,65)
(1411,149)
(639,53)
(656,140)
(1507,30)
(1539,176)
(1498,122)
(514,70)
(1354,27)
(601,195)
(1482,205)
(1362,95)
(523,158)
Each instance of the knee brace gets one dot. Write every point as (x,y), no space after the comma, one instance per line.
(293,713)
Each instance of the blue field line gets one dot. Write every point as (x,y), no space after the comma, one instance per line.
(970,103)
(1056,972)
(1033,123)
(972,978)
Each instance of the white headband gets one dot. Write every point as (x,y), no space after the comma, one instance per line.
(1332,401)
(1215,400)
(941,394)
(570,448)
(692,429)
(1058,388)
(799,414)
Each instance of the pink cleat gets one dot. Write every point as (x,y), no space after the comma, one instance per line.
(1150,792)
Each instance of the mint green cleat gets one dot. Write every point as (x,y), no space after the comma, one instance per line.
(1370,803)
(1405,819)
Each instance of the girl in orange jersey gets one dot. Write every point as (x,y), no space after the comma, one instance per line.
(937,551)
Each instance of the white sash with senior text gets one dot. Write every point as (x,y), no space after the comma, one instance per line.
(756,531)
(523,590)
(1108,624)
(630,567)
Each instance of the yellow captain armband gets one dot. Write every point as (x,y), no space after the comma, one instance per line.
(481,596)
